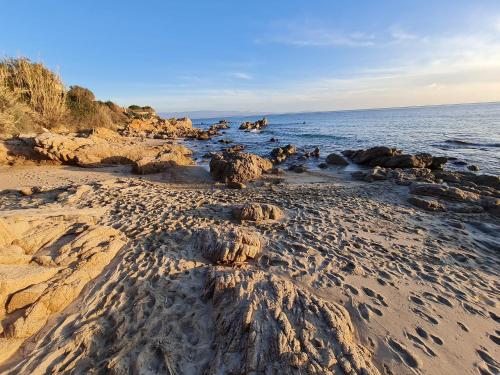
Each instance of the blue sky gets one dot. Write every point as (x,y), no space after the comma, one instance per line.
(265,56)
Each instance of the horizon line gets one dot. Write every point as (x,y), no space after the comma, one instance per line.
(326,111)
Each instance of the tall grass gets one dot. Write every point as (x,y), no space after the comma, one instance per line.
(32,97)
(36,86)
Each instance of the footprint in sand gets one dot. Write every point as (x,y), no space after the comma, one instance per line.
(404,354)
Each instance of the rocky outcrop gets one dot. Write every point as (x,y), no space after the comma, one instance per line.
(110,148)
(393,158)
(257,212)
(336,159)
(257,125)
(230,245)
(280,154)
(427,204)
(20,151)
(56,257)
(153,126)
(263,325)
(238,167)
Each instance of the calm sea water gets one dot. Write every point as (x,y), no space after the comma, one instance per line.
(470,132)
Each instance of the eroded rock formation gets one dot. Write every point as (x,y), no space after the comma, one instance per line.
(238,167)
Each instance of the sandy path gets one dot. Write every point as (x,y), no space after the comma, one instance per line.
(421,289)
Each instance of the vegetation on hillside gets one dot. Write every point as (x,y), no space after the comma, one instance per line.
(32,98)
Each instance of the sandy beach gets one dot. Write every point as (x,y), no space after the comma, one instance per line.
(411,291)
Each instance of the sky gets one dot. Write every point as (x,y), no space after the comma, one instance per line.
(264,56)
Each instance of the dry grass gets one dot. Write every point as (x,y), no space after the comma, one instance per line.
(36,86)
(16,117)
(32,97)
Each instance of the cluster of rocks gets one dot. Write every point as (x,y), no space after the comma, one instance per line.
(153,126)
(221,125)
(257,125)
(280,154)
(259,317)
(101,146)
(463,192)
(238,167)
(45,262)
(308,154)
(387,157)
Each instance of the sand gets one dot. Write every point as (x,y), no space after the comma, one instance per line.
(407,291)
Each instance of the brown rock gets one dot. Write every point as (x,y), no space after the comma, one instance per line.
(257,212)
(427,204)
(238,167)
(336,159)
(229,246)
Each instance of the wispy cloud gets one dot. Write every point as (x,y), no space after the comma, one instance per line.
(241,75)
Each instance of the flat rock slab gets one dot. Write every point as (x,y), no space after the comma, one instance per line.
(20,276)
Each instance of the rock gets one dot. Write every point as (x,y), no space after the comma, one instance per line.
(427,204)
(14,277)
(229,245)
(392,158)
(277,171)
(238,167)
(265,324)
(93,150)
(257,125)
(257,212)
(322,165)
(13,254)
(26,191)
(280,154)
(375,174)
(25,297)
(491,204)
(236,185)
(168,158)
(438,190)
(336,159)
(473,168)
(297,168)
(273,139)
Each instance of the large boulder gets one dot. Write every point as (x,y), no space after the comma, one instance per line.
(238,167)
(336,159)
(104,147)
(230,245)
(266,324)
(257,212)
(66,253)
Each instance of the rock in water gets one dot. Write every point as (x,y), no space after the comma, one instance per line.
(257,212)
(229,246)
(257,125)
(238,167)
(336,159)
(266,325)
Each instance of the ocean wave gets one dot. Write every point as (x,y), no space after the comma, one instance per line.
(458,142)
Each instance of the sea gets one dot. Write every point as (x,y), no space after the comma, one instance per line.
(467,133)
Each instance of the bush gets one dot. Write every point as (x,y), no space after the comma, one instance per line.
(36,86)
(15,116)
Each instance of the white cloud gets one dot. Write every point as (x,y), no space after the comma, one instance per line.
(241,75)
